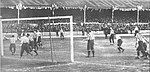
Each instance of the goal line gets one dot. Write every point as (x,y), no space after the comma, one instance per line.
(40,18)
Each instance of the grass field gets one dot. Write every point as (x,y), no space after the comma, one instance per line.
(106,58)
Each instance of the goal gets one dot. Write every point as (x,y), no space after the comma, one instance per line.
(70,19)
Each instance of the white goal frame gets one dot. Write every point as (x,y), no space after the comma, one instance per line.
(38,18)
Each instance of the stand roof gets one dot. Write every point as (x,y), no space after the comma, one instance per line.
(95,4)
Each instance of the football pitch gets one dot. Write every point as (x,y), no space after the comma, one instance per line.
(107,58)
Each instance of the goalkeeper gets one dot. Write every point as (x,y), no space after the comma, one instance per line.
(141,45)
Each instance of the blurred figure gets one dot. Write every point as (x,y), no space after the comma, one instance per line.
(23,32)
(119,43)
(56,29)
(35,37)
(136,30)
(106,31)
(61,33)
(141,47)
(130,28)
(90,45)
(39,38)
(111,38)
(12,46)
(83,29)
(24,45)
(146,55)
(31,43)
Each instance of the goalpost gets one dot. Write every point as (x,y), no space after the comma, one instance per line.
(41,18)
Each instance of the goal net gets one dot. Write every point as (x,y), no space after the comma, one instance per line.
(54,45)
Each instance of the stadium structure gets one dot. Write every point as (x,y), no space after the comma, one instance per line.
(75,17)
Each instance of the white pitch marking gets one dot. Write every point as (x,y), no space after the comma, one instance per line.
(76,62)
(81,53)
(54,65)
(39,59)
(25,59)
(26,69)
(111,65)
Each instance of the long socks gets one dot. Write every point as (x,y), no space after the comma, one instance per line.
(93,52)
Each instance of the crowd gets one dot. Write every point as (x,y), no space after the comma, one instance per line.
(123,20)
(120,28)
(92,15)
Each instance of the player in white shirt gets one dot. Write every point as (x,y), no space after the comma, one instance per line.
(38,38)
(111,38)
(136,30)
(31,43)
(61,33)
(90,45)
(24,45)
(12,46)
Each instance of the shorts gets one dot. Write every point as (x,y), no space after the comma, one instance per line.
(12,46)
(31,44)
(90,45)
(25,46)
(140,46)
(112,36)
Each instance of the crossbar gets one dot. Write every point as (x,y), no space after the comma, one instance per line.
(37,18)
